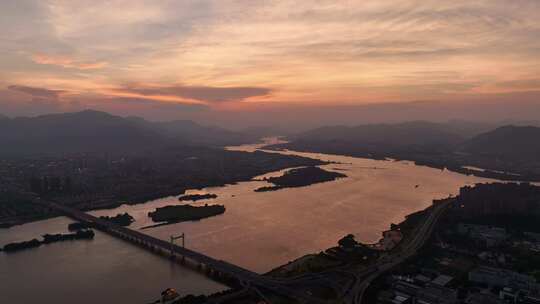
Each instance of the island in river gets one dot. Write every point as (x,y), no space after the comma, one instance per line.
(181,213)
(120,219)
(196,197)
(129,178)
(48,239)
(300,177)
(255,235)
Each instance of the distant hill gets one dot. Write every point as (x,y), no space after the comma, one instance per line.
(385,136)
(194,133)
(86,131)
(509,142)
(508,152)
(94,131)
(266,131)
(468,129)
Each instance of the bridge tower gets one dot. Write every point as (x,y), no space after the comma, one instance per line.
(174,238)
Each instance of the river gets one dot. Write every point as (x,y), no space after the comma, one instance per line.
(102,270)
(259,231)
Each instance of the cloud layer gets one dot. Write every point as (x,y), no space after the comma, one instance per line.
(36,92)
(200,93)
(225,54)
(67,62)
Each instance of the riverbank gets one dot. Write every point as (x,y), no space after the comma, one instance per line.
(350,251)
(261,230)
(249,165)
(197,197)
(286,224)
(437,161)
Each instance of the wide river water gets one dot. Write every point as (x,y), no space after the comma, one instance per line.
(259,231)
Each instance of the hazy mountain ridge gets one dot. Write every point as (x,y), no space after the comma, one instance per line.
(266,131)
(388,135)
(511,142)
(193,132)
(94,131)
(513,149)
(461,136)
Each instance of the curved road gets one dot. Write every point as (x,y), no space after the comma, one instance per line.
(364,278)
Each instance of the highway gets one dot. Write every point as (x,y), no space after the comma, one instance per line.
(364,278)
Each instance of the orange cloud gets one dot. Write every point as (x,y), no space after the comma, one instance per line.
(37,92)
(207,94)
(67,62)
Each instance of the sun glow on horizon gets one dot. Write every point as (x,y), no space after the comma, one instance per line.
(216,53)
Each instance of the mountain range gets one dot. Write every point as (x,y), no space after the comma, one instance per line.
(94,131)
(460,136)
(513,149)
(451,144)
(390,136)
(507,142)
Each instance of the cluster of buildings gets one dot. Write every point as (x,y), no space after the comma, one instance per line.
(512,287)
(475,270)
(532,241)
(483,235)
(484,285)
(423,288)
(499,199)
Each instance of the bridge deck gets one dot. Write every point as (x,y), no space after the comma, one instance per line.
(242,274)
(219,265)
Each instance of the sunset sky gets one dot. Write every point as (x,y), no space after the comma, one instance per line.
(187,56)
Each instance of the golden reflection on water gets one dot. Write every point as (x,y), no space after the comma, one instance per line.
(262,230)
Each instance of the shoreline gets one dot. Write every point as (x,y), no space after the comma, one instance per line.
(249,165)
(109,203)
(182,191)
(104,204)
(452,167)
(406,227)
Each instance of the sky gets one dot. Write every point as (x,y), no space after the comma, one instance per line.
(259,61)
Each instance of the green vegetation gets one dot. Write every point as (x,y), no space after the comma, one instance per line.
(181,213)
(94,181)
(12,247)
(48,239)
(119,219)
(300,177)
(17,207)
(306,264)
(79,226)
(349,251)
(197,197)
(347,242)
